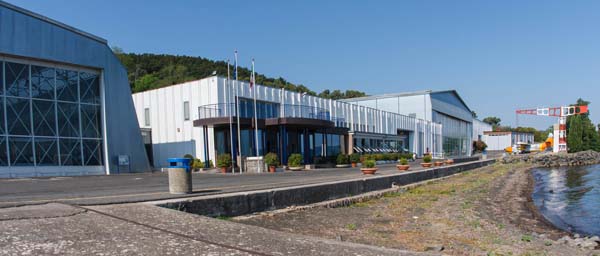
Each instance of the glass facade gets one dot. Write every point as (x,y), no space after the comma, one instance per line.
(263,109)
(49,116)
(457,134)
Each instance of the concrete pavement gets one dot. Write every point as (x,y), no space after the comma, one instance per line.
(128,188)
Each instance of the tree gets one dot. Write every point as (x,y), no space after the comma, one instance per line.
(493,121)
(581,133)
(474,114)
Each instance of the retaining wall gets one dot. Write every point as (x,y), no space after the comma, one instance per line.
(236,204)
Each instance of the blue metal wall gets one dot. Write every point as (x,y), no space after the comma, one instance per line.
(26,35)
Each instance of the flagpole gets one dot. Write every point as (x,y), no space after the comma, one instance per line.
(228,86)
(237,107)
(253,84)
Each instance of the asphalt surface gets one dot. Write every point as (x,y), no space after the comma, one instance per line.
(128,188)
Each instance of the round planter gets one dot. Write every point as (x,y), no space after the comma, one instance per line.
(449,161)
(353,165)
(296,168)
(426,165)
(272,168)
(439,163)
(342,165)
(368,171)
(223,169)
(402,167)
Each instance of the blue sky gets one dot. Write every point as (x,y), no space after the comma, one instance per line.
(499,55)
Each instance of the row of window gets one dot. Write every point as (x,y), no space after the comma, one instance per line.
(186,113)
(49,116)
(32,81)
(41,151)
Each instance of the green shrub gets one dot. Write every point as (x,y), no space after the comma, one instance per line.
(403,161)
(479,146)
(197,164)
(271,159)
(210,164)
(224,160)
(369,164)
(355,158)
(427,159)
(188,156)
(342,159)
(295,160)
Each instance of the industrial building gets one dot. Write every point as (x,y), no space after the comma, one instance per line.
(65,101)
(194,118)
(499,140)
(446,108)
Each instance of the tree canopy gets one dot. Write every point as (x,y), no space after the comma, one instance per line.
(581,132)
(151,71)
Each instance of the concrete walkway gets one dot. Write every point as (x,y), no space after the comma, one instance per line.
(128,188)
(142,229)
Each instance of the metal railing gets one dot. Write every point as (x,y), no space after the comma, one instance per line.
(268,111)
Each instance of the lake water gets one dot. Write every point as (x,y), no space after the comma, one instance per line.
(569,197)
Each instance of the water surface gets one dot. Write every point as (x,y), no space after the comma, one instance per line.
(569,197)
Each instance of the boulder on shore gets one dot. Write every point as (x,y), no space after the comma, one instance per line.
(555,159)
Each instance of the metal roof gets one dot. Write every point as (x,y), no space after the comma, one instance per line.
(406,94)
(53,22)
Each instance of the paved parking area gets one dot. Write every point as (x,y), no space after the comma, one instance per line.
(126,188)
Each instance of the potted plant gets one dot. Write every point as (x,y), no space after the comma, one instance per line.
(224,162)
(439,163)
(272,161)
(354,159)
(449,161)
(368,167)
(426,161)
(342,161)
(197,165)
(295,162)
(403,164)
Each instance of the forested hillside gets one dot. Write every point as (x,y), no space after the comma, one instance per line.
(151,71)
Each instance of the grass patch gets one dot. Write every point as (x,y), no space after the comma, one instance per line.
(526,238)
(223,217)
(351,226)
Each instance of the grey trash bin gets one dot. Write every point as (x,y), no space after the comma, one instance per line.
(180,176)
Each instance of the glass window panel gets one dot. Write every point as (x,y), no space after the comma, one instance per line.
(66,85)
(70,151)
(3,153)
(46,151)
(1,77)
(2,114)
(89,88)
(68,120)
(92,152)
(17,79)
(90,121)
(42,82)
(18,116)
(44,118)
(21,151)
(147,116)
(186,110)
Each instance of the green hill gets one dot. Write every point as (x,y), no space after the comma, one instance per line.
(151,71)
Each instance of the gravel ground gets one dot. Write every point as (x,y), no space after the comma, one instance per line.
(487,211)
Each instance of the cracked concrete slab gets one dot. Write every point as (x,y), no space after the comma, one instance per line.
(142,229)
(52,210)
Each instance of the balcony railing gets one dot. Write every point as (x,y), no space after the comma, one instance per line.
(265,111)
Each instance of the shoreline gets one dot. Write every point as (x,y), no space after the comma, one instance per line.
(487,210)
(537,215)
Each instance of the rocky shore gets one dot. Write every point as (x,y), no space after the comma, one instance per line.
(555,159)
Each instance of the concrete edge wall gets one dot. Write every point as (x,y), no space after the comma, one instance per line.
(249,202)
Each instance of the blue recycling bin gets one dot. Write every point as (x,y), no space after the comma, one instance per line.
(180,176)
(180,163)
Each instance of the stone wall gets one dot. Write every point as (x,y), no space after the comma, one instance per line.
(556,159)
